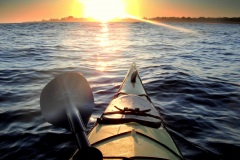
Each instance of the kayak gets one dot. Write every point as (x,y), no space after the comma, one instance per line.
(131,127)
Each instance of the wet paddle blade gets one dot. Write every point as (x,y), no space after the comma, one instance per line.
(69,89)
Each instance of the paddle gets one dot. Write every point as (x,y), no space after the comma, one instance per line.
(67,101)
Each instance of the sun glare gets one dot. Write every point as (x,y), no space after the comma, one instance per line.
(104,10)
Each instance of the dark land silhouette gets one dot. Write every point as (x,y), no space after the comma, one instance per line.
(73,19)
(199,19)
(234,20)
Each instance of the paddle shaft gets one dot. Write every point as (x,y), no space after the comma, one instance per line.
(77,127)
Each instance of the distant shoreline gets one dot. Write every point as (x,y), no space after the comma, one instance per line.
(233,20)
(227,20)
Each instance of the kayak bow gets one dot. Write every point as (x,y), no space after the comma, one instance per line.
(131,127)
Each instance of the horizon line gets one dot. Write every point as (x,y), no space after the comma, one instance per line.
(129,19)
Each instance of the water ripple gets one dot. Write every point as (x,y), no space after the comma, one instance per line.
(193,80)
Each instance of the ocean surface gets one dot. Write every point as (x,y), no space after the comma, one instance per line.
(191,72)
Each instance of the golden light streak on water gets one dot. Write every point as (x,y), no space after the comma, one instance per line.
(101,66)
(163,24)
(103,41)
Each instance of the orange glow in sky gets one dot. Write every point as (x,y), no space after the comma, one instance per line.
(104,10)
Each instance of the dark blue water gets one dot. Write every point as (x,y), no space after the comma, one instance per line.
(193,78)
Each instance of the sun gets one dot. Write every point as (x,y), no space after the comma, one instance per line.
(104,10)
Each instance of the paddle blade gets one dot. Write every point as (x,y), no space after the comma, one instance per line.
(69,89)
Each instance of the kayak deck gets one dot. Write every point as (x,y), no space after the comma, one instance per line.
(131,127)
(131,108)
(132,83)
(131,140)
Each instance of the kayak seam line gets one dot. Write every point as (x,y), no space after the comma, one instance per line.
(165,146)
(129,132)
(105,139)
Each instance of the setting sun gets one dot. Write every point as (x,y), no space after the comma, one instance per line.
(104,10)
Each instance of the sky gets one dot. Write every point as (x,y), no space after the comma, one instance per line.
(14,11)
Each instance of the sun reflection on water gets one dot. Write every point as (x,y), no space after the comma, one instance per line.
(101,66)
(111,40)
(104,35)
(104,43)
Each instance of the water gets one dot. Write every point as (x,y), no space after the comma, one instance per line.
(192,78)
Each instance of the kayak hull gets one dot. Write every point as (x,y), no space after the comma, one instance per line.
(131,126)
